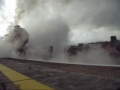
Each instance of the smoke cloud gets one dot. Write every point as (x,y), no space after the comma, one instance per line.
(87,20)
(59,23)
(96,55)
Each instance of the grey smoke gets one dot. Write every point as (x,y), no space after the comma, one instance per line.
(50,33)
(59,23)
(46,29)
(1,9)
(62,22)
(86,19)
(96,55)
(1,3)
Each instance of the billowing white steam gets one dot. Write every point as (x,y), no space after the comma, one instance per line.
(58,23)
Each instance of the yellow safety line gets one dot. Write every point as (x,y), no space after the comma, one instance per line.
(28,84)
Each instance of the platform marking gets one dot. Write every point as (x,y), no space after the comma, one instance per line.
(22,81)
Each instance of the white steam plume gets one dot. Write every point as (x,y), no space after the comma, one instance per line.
(58,23)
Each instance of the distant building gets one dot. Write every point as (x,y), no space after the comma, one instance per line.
(112,46)
(113,38)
